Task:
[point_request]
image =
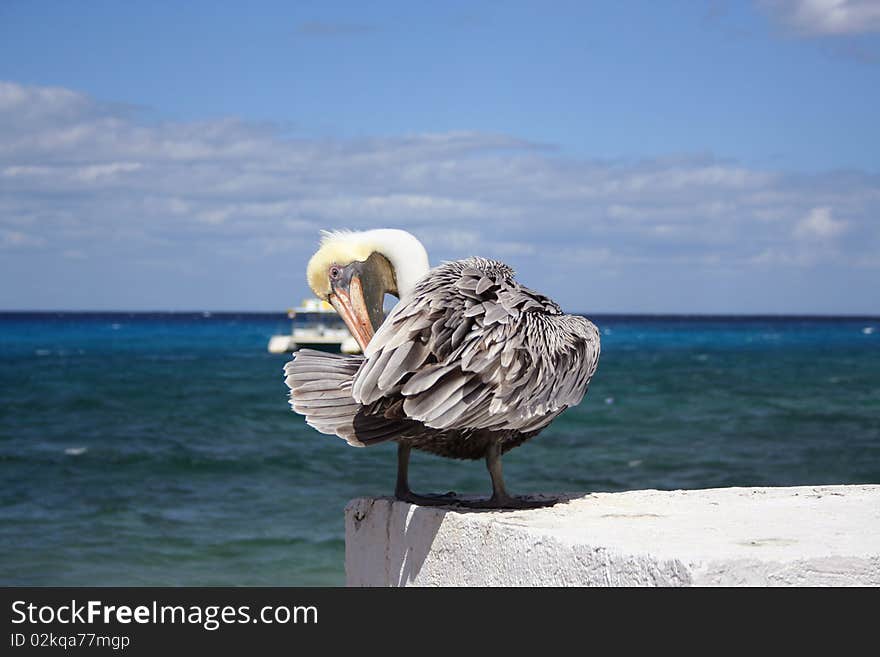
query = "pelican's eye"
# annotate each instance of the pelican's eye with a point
(335, 272)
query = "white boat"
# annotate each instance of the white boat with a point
(319, 327)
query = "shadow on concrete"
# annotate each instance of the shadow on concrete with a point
(409, 549)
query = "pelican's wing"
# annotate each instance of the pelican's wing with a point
(473, 349)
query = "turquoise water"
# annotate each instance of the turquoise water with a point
(159, 449)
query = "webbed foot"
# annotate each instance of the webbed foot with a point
(428, 499)
(509, 502)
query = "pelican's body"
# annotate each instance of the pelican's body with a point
(469, 364)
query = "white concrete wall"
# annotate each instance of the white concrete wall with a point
(817, 535)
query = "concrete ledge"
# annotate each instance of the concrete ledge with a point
(822, 535)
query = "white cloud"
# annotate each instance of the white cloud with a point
(82, 177)
(827, 17)
(16, 239)
(25, 170)
(87, 174)
(819, 224)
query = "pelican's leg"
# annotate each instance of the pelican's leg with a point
(402, 491)
(501, 499)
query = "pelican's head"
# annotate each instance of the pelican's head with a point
(354, 270)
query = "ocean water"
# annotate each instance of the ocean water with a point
(159, 449)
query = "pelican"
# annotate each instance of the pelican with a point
(468, 364)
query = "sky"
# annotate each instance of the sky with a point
(676, 157)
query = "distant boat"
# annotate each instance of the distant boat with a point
(868, 330)
(319, 328)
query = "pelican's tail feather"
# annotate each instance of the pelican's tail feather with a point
(320, 388)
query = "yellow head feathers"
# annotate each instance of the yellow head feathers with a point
(337, 248)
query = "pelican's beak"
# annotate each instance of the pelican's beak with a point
(358, 294)
(349, 303)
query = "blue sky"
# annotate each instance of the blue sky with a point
(623, 157)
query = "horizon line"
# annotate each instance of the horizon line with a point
(806, 315)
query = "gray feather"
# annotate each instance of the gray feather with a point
(527, 361)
